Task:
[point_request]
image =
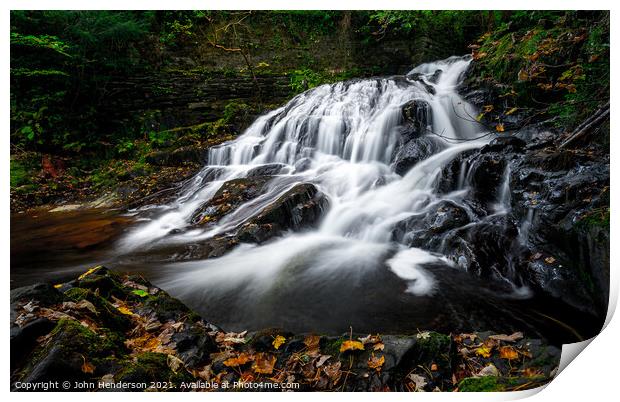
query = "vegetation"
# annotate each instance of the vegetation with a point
(548, 64)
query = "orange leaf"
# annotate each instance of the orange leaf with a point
(351, 345)
(263, 363)
(499, 128)
(376, 362)
(240, 360)
(88, 368)
(508, 352)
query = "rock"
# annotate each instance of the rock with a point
(504, 143)
(299, 207)
(416, 117)
(266, 170)
(426, 230)
(414, 151)
(178, 156)
(230, 196)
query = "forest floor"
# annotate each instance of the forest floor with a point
(107, 330)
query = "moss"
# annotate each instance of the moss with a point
(499, 384)
(149, 366)
(332, 346)
(108, 315)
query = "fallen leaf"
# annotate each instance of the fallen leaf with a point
(87, 367)
(379, 346)
(124, 310)
(263, 363)
(140, 292)
(434, 367)
(240, 360)
(351, 345)
(376, 362)
(508, 338)
(489, 370)
(511, 111)
(90, 271)
(499, 128)
(278, 341)
(487, 108)
(484, 351)
(418, 381)
(549, 260)
(370, 339)
(508, 352)
(322, 360)
(312, 341)
(174, 363)
(333, 371)
(85, 304)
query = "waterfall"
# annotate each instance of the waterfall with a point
(341, 138)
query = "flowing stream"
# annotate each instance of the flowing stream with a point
(347, 270)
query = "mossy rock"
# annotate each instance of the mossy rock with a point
(70, 346)
(148, 367)
(107, 314)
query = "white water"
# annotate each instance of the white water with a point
(341, 138)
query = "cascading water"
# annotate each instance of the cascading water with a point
(342, 138)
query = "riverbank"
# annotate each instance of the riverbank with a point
(107, 330)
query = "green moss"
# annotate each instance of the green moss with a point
(332, 346)
(20, 174)
(499, 384)
(147, 367)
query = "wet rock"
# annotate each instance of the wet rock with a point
(416, 117)
(299, 207)
(504, 143)
(414, 151)
(427, 229)
(266, 170)
(230, 196)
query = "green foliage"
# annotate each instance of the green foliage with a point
(307, 78)
(19, 174)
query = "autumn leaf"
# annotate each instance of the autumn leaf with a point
(124, 310)
(312, 341)
(90, 271)
(351, 345)
(174, 363)
(511, 111)
(549, 260)
(523, 75)
(379, 346)
(508, 338)
(418, 381)
(376, 362)
(263, 363)
(87, 367)
(370, 339)
(240, 360)
(499, 128)
(508, 352)
(487, 108)
(278, 341)
(484, 351)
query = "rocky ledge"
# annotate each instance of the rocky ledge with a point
(110, 331)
